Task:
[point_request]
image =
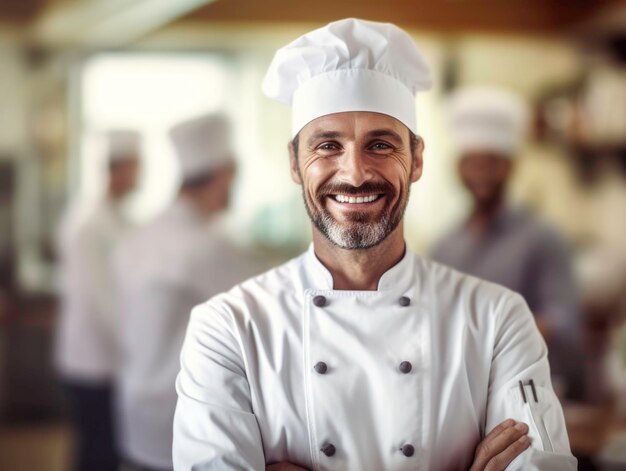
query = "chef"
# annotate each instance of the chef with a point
(505, 244)
(359, 355)
(171, 264)
(85, 344)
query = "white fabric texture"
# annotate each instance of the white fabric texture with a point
(173, 263)
(487, 119)
(85, 344)
(349, 65)
(249, 395)
(202, 144)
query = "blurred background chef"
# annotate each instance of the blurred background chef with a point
(86, 351)
(503, 243)
(176, 261)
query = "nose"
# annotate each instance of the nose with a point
(354, 168)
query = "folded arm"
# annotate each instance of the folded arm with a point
(520, 389)
(214, 425)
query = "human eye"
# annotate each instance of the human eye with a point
(327, 147)
(381, 147)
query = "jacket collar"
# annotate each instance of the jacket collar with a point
(398, 277)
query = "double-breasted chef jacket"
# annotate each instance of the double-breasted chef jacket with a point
(409, 377)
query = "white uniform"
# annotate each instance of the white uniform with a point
(85, 347)
(432, 359)
(173, 263)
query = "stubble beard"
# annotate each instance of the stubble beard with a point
(359, 231)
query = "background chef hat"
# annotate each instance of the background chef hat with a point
(202, 144)
(349, 65)
(487, 119)
(123, 144)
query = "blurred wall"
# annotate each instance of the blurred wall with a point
(12, 95)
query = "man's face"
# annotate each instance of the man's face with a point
(214, 196)
(356, 169)
(485, 175)
(123, 175)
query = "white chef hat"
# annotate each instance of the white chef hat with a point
(123, 144)
(487, 118)
(349, 65)
(202, 144)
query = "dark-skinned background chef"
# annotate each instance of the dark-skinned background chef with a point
(504, 243)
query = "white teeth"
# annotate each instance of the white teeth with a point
(352, 199)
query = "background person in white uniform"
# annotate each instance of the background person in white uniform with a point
(176, 261)
(505, 244)
(359, 355)
(85, 345)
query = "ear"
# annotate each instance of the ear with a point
(293, 164)
(417, 162)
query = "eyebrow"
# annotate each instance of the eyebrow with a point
(385, 133)
(323, 135)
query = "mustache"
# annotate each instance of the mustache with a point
(331, 188)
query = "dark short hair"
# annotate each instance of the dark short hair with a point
(118, 163)
(197, 181)
(205, 178)
(295, 143)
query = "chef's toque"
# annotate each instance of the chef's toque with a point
(202, 144)
(123, 144)
(487, 119)
(349, 65)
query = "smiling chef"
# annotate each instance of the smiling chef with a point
(360, 355)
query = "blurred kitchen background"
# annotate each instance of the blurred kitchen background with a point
(70, 70)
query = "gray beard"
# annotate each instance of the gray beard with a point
(357, 233)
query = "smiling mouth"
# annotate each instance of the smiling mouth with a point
(351, 199)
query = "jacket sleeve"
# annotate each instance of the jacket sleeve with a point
(520, 388)
(214, 425)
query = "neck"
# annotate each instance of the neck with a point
(115, 195)
(196, 206)
(359, 269)
(483, 215)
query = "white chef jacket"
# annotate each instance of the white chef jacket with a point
(162, 271)
(249, 392)
(85, 347)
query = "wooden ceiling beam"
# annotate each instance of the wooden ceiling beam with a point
(523, 16)
(111, 23)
